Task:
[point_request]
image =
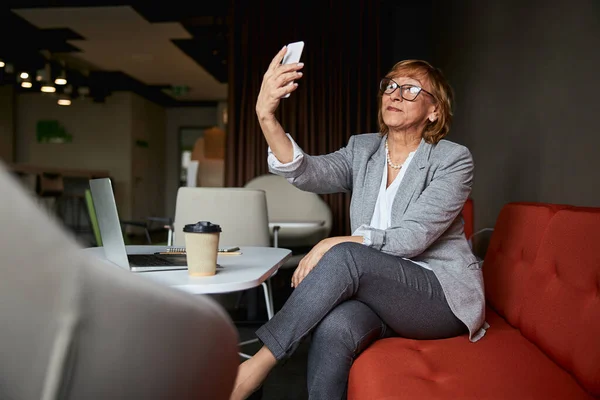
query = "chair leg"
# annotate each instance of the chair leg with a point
(268, 297)
(170, 237)
(270, 290)
(269, 302)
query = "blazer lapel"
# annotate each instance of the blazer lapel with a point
(372, 183)
(414, 178)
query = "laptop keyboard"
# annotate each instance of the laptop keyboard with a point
(152, 260)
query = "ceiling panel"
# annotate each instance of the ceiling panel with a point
(150, 45)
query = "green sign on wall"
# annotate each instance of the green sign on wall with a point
(50, 131)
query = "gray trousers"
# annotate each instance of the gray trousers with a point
(354, 296)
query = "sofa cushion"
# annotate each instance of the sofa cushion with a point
(504, 365)
(561, 310)
(512, 250)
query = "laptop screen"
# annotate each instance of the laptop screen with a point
(108, 222)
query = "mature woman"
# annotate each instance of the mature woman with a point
(407, 269)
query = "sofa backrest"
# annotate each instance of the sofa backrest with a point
(542, 273)
(561, 308)
(510, 256)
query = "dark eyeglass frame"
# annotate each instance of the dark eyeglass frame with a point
(383, 90)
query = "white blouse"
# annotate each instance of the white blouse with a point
(382, 216)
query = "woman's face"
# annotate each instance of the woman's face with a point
(400, 114)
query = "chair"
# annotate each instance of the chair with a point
(242, 214)
(74, 327)
(286, 203)
(50, 186)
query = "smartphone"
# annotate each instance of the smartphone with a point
(292, 56)
(228, 249)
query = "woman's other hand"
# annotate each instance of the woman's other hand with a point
(275, 85)
(310, 260)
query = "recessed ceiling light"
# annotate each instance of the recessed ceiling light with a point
(48, 89)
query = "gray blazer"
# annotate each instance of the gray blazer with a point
(426, 223)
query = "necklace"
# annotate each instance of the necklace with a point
(387, 157)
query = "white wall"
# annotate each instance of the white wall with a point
(104, 135)
(7, 128)
(526, 82)
(148, 163)
(177, 118)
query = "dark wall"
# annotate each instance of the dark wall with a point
(527, 85)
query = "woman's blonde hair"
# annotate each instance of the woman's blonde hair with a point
(441, 90)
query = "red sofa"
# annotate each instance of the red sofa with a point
(542, 281)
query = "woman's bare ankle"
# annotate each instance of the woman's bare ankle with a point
(252, 373)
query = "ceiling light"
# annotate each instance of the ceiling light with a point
(2, 64)
(24, 75)
(61, 77)
(26, 84)
(64, 102)
(48, 88)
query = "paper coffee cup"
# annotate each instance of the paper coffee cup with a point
(201, 247)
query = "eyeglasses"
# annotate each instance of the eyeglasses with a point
(408, 92)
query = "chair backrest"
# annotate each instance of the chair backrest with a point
(510, 256)
(288, 203)
(242, 214)
(74, 327)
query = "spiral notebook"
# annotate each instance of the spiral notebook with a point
(229, 251)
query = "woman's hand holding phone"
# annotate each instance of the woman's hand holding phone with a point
(278, 82)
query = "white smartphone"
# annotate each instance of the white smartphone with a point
(292, 56)
(228, 249)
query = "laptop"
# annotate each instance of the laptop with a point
(112, 235)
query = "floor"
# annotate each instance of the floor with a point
(288, 379)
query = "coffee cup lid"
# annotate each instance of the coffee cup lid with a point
(202, 227)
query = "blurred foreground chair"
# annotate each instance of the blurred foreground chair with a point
(74, 327)
(298, 219)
